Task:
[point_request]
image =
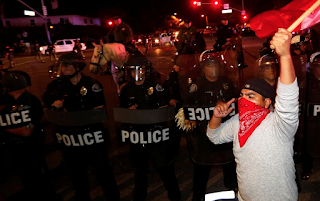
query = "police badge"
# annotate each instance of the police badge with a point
(150, 91)
(83, 91)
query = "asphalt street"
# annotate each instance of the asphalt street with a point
(163, 61)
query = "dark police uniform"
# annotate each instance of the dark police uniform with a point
(223, 33)
(206, 94)
(185, 34)
(83, 146)
(27, 152)
(148, 96)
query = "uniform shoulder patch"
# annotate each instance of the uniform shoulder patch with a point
(96, 87)
(159, 87)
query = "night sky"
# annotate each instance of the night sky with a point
(145, 15)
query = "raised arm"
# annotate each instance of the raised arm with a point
(281, 42)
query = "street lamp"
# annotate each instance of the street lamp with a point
(206, 20)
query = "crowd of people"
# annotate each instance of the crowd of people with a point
(252, 136)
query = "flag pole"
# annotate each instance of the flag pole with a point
(303, 16)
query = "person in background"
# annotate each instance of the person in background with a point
(185, 34)
(78, 48)
(224, 34)
(121, 33)
(37, 51)
(10, 55)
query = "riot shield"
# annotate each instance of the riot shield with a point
(307, 136)
(204, 80)
(144, 137)
(81, 134)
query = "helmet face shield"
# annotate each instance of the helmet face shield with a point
(315, 63)
(267, 68)
(138, 73)
(211, 64)
(211, 70)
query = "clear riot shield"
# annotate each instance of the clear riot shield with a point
(145, 138)
(204, 80)
(309, 125)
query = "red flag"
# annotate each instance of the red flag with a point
(267, 23)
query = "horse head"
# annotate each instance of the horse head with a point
(103, 53)
(98, 59)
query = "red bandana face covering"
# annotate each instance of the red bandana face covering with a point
(250, 117)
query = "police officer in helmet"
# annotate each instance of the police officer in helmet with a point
(210, 88)
(22, 135)
(75, 92)
(143, 92)
(269, 69)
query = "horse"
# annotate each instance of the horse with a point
(109, 52)
(103, 53)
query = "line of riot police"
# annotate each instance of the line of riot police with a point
(147, 132)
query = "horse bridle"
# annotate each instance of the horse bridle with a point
(100, 57)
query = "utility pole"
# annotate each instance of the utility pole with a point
(44, 16)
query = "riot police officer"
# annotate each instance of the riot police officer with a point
(185, 34)
(209, 88)
(310, 141)
(269, 69)
(22, 134)
(141, 93)
(84, 144)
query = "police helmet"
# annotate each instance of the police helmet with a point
(74, 59)
(139, 67)
(210, 56)
(12, 81)
(268, 60)
(71, 58)
(315, 59)
(214, 60)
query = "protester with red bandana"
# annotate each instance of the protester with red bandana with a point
(263, 140)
